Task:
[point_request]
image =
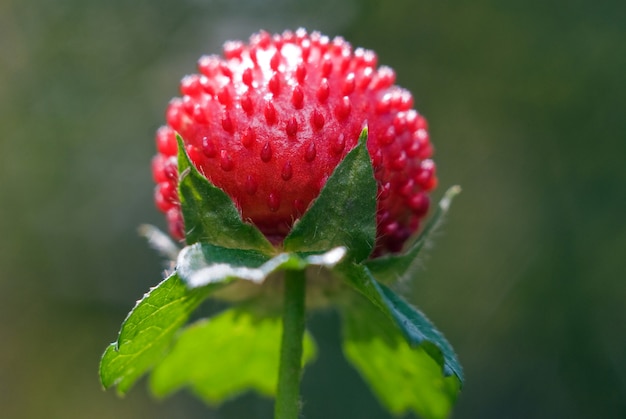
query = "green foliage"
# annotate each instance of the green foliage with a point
(239, 351)
(404, 377)
(344, 214)
(416, 328)
(406, 360)
(148, 331)
(209, 213)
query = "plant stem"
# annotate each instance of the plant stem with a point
(290, 368)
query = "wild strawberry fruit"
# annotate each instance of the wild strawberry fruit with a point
(270, 120)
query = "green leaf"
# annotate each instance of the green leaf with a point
(413, 324)
(148, 331)
(344, 214)
(404, 378)
(201, 264)
(226, 355)
(398, 267)
(419, 330)
(210, 214)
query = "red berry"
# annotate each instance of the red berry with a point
(270, 121)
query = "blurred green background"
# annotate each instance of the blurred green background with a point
(526, 101)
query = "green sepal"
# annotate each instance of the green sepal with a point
(202, 263)
(403, 377)
(148, 330)
(221, 357)
(344, 213)
(413, 324)
(210, 214)
(402, 266)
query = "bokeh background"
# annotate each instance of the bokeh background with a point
(526, 100)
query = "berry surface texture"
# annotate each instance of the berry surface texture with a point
(269, 120)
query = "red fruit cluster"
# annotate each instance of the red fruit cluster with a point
(270, 120)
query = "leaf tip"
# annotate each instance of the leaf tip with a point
(364, 134)
(450, 194)
(106, 380)
(159, 241)
(179, 140)
(457, 372)
(184, 162)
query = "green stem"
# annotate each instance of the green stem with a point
(290, 369)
